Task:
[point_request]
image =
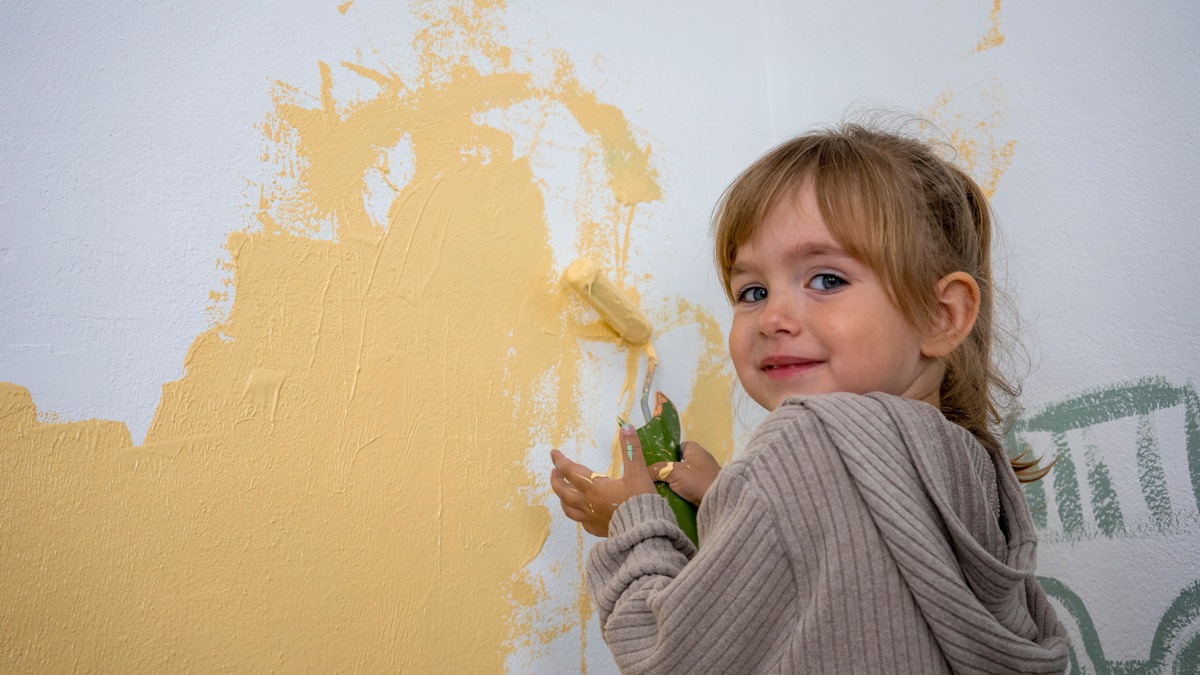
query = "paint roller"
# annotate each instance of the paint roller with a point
(618, 311)
(661, 435)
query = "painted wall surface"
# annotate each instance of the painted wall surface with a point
(284, 344)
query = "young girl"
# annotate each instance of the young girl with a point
(873, 523)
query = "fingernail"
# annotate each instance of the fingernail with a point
(628, 433)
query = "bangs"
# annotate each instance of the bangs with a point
(847, 210)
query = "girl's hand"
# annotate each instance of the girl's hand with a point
(691, 477)
(591, 498)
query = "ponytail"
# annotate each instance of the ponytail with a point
(973, 383)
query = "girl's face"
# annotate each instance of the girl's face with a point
(810, 319)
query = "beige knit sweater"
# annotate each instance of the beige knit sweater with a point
(858, 534)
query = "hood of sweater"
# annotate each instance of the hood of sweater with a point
(954, 517)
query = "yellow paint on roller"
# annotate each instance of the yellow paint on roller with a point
(304, 498)
(626, 319)
(651, 355)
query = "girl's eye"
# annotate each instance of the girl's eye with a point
(826, 282)
(752, 294)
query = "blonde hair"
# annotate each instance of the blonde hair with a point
(913, 217)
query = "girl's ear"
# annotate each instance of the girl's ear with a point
(957, 308)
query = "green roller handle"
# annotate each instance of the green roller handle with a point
(660, 438)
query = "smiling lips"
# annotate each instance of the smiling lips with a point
(786, 366)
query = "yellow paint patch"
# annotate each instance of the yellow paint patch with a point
(708, 418)
(993, 38)
(262, 389)
(973, 123)
(338, 481)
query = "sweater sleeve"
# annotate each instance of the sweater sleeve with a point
(722, 611)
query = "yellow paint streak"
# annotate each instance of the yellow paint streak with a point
(632, 179)
(584, 603)
(708, 418)
(993, 38)
(345, 7)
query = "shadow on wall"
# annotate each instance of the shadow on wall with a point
(1149, 496)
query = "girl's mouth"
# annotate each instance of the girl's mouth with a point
(782, 367)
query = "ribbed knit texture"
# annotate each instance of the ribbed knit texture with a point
(858, 534)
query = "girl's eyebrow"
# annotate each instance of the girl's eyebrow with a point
(738, 268)
(810, 249)
(814, 249)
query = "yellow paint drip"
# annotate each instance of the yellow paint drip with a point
(337, 482)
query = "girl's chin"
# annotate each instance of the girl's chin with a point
(773, 399)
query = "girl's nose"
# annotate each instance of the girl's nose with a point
(780, 315)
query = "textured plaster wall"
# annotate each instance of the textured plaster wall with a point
(285, 343)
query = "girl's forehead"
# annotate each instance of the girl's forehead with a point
(804, 212)
(792, 233)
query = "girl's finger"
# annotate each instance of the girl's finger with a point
(660, 471)
(567, 493)
(688, 448)
(577, 475)
(573, 513)
(631, 451)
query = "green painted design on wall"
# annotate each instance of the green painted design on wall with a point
(1151, 476)
(1076, 610)
(1105, 405)
(1140, 399)
(1176, 647)
(1191, 424)
(1150, 402)
(1066, 488)
(1035, 494)
(1178, 634)
(1104, 497)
